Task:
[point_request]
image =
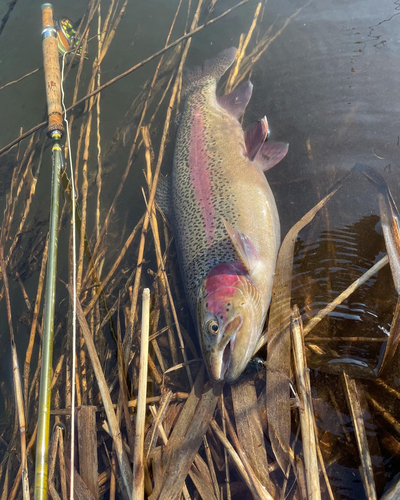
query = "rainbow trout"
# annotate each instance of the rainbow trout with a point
(224, 217)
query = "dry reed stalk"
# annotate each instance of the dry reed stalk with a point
(160, 265)
(165, 283)
(186, 438)
(227, 475)
(236, 460)
(392, 342)
(84, 193)
(19, 398)
(133, 147)
(254, 56)
(354, 403)
(23, 290)
(241, 51)
(211, 468)
(53, 450)
(278, 357)
(344, 295)
(83, 37)
(62, 467)
(262, 490)
(126, 473)
(306, 411)
(165, 441)
(29, 196)
(249, 429)
(110, 274)
(128, 72)
(384, 413)
(123, 391)
(110, 36)
(14, 198)
(200, 475)
(156, 425)
(32, 335)
(22, 78)
(18, 475)
(138, 459)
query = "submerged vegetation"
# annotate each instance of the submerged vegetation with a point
(300, 416)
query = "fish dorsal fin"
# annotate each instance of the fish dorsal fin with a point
(254, 137)
(243, 246)
(211, 71)
(235, 102)
(163, 196)
(271, 153)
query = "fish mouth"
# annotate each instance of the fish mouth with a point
(220, 362)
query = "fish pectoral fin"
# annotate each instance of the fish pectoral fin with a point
(164, 196)
(243, 246)
(254, 137)
(235, 102)
(271, 153)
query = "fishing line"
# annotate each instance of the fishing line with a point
(74, 296)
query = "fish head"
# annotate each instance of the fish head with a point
(229, 320)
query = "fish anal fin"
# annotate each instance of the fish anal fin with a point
(235, 102)
(271, 153)
(243, 246)
(163, 196)
(254, 137)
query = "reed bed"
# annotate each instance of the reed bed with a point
(149, 422)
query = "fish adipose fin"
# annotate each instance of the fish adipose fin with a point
(211, 71)
(163, 196)
(271, 153)
(235, 102)
(243, 246)
(255, 136)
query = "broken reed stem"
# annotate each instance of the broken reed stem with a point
(356, 412)
(138, 459)
(344, 295)
(306, 409)
(128, 72)
(19, 399)
(123, 461)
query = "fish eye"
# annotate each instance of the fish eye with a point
(212, 327)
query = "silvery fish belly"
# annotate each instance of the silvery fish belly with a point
(224, 217)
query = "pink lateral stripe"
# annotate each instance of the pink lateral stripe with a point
(199, 174)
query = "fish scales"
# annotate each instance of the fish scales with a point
(224, 216)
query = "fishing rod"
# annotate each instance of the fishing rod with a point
(55, 131)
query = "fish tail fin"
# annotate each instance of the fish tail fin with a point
(211, 71)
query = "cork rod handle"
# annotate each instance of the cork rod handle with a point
(51, 72)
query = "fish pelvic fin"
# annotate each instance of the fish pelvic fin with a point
(254, 137)
(211, 71)
(244, 247)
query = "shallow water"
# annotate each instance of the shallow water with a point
(328, 85)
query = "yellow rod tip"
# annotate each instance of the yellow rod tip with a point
(47, 6)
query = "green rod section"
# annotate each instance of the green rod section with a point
(42, 442)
